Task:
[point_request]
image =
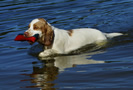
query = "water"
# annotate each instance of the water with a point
(109, 67)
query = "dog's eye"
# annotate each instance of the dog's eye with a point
(35, 27)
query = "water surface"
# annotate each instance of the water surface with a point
(109, 67)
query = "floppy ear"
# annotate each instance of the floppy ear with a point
(48, 35)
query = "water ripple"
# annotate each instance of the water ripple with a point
(108, 67)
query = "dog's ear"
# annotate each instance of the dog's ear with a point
(48, 37)
(47, 31)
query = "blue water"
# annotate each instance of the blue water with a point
(103, 69)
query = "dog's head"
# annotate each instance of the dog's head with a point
(41, 27)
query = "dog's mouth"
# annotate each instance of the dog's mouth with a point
(31, 40)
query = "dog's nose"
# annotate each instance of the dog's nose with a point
(26, 34)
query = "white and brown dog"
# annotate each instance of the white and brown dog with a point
(59, 41)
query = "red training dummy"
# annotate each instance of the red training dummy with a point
(31, 40)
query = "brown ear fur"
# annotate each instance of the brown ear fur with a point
(48, 33)
(48, 38)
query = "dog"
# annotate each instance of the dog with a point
(59, 41)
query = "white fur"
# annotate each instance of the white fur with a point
(65, 43)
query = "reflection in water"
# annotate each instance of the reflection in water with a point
(44, 75)
(48, 71)
(64, 62)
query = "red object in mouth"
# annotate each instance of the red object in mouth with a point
(31, 40)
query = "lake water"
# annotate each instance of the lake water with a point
(107, 68)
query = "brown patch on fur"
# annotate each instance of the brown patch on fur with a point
(70, 32)
(36, 26)
(40, 25)
(43, 20)
(47, 32)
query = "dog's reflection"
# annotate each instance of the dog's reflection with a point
(43, 75)
(64, 62)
